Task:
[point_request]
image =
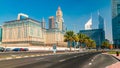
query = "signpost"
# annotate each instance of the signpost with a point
(54, 48)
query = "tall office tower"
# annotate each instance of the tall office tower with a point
(101, 21)
(88, 25)
(43, 23)
(59, 19)
(116, 22)
(51, 22)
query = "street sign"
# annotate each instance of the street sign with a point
(54, 48)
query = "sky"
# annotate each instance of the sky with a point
(75, 12)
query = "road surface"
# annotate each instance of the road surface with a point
(72, 60)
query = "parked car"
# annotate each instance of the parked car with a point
(16, 49)
(26, 49)
(20, 49)
(2, 49)
(8, 49)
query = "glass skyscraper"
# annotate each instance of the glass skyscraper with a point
(96, 34)
(116, 22)
(101, 21)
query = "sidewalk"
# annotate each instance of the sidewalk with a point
(115, 65)
(118, 57)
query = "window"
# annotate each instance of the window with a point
(38, 32)
(118, 8)
(18, 32)
(25, 31)
(10, 33)
(31, 31)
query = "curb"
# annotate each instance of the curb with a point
(115, 57)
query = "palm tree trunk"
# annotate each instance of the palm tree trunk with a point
(70, 45)
(80, 46)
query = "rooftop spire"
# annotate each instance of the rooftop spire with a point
(43, 20)
(59, 8)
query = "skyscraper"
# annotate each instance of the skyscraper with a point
(116, 22)
(51, 22)
(59, 19)
(101, 21)
(88, 24)
(43, 23)
(96, 34)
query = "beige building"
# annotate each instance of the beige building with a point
(22, 33)
(59, 19)
(28, 32)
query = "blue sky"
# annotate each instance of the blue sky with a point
(75, 12)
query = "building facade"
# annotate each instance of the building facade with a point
(59, 19)
(0, 35)
(51, 22)
(96, 34)
(116, 22)
(25, 32)
(101, 22)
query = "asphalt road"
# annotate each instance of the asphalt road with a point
(76, 60)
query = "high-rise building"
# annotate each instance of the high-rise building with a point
(88, 25)
(59, 19)
(51, 22)
(96, 34)
(116, 22)
(43, 23)
(101, 21)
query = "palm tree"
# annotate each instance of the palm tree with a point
(69, 36)
(82, 38)
(90, 43)
(76, 39)
(105, 44)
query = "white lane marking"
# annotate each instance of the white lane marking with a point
(19, 57)
(39, 58)
(37, 55)
(26, 56)
(62, 60)
(90, 64)
(9, 58)
(32, 55)
(13, 55)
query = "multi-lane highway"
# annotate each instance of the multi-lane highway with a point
(69, 60)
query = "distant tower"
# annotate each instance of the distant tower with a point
(43, 23)
(101, 21)
(51, 22)
(88, 25)
(59, 19)
(22, 16)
